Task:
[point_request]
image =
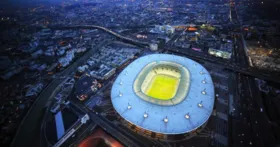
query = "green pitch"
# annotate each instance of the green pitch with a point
(162, 87)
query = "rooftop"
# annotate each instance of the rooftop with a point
(187, 115)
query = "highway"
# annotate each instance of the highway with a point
(130, 40)
(117, 132)
(250, 125)
(29, 123)
(250, 71)
(25, 132)
(125, 136)
(241, 53)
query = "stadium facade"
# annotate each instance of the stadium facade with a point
(165, 97)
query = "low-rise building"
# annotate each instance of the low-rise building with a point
(165, 29)
(34, 90)
(8, 68)
(103, 72)
(65, 61)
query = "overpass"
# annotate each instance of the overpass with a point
(250, 71)
(30, 124)
(124, 38)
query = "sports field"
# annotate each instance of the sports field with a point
(162, 87)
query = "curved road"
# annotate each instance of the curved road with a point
(25, 133)
(137, 42)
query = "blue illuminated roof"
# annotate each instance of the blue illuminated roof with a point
(60, 130)
(180, 118)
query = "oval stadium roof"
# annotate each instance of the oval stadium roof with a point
(180, 118)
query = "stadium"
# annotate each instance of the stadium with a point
(164, 97)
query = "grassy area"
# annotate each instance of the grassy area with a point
(162, 87)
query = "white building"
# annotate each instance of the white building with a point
(165, 29)
(34, 90)
(82, 68)
(60, 52)
(49, 52)
(80, 49)
(64, 61)
(153, 46)
(169, 29)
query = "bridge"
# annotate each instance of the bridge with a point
(249, 71)
(124, 38)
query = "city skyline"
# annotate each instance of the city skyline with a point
(141, 73)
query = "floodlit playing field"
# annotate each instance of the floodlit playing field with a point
(162, 87)
(167, 95)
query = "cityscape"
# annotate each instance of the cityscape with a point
(140, 73)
